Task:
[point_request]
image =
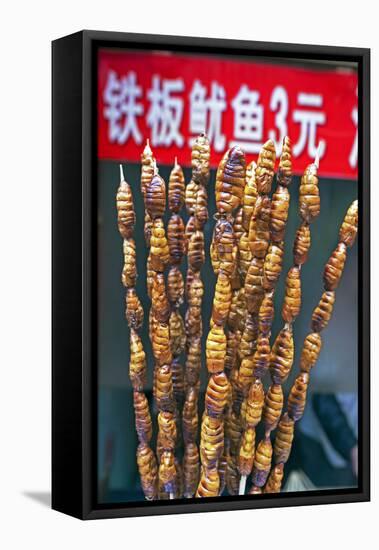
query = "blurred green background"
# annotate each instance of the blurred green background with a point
(336, 369)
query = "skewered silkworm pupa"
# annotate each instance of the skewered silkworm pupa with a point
(275, 478)
(309, 195)
(297, 396)
(176, 189)
(310, 352)
(125, 209)
(282, 356)
(284, 176)
(212, 441)
(302, 244)
(283, 439)
(159, 251)
(230, 181)
(129, 271)
(144, 427)
(216, 349)
(272, 266)
(134, 310)
(155, 197)
(262, 462)
(176, 239)
(148, 470)
(264, 172)
(273, 407)
(216, 395)
(137, 365)
(200, 157)
(334, 267)
(250, 195)
(209, 484)
(349, 227)
(222, 299)
(292, 298)
(323, 311)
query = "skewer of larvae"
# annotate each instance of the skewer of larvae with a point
(235, 326)
(283, 348)
(146, 460)
(147, 172)
(282, 353)
(155, 201)
(230, 181)
(197, 208)
(175, 284)
(253, 354)
(272, 267)
(311, 347)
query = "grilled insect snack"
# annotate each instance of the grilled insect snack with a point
(283, 439)
(144, 427)
(155, 197)
(273, 407)
(148, 470)
(334, 267)
(216, 349)
(250, 195)
(310, 352)
(292, 299)
(159, 250)
(323, 311)
(264, 172)
(129, 271)
(209, 485)
(275, 479)
(137, 364)
(302, 244)
(230, 181)
(125, 209)
(133, 310)
(176, 239)
(262, 462)
(282, 356)
(349, 227)
(297, 396)
(176, 189)
(309, 195)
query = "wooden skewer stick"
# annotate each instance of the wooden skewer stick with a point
(122, 177)
(242, 486)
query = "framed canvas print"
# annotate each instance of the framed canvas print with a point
(210, 274)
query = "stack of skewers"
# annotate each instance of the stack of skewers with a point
(246, 253)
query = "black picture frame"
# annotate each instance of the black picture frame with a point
(74, 272)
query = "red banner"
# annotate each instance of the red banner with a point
(170, 98)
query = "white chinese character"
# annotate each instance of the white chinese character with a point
(248, 120)
(309, 120)
(121, 107)
(206, 114)
(279, 104)
(165, 113)
(353, 157)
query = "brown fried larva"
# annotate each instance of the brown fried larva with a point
(176, 188)
(309, 194)
(349, 227)
(126, 217)
(230, 180)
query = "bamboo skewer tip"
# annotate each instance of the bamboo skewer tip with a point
(317, 157)
(122, 173)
